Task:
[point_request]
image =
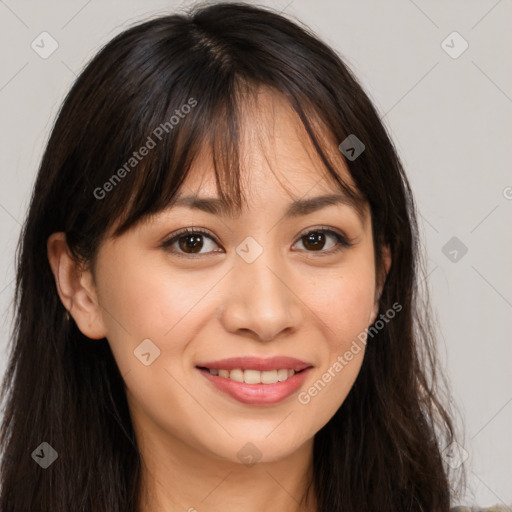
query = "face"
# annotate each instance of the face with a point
(263, 284)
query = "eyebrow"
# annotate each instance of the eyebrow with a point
(297, 208)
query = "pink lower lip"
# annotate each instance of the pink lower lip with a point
(257, 394)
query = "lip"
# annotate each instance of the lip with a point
(256, 363)
(257, 394)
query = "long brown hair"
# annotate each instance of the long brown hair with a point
(382, 449)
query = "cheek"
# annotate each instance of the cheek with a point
(350, 309)
(344, 301)
(147, 301)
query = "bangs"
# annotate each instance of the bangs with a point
(211, 121)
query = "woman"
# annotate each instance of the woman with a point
(217, 288)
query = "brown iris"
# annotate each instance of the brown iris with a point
(314, 240)
(191, 242)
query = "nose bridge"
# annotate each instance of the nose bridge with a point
(260, 300)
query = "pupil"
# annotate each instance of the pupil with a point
(315, 237)
(196, 242)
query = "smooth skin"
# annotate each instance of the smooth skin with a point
(295, 299)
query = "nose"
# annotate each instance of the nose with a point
(260, 300)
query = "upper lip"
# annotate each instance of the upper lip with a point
(256, 363)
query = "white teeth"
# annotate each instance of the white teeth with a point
(237, 375)
(269, 377)
(255, 376)
(282, 374)
(251, 376)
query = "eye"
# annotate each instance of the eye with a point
(315, 240)
(189, 241)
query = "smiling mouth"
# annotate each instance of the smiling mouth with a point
(252, 376)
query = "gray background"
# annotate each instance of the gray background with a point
(450, 119)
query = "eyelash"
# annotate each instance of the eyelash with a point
(343, 242)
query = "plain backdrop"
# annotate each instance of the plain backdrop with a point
(448, 109)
